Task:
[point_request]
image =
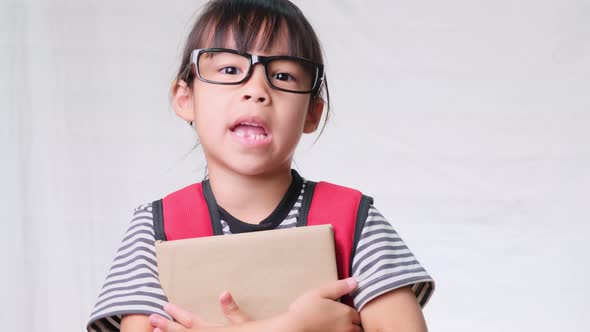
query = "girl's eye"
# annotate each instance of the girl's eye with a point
(284, 77)
(230, 70)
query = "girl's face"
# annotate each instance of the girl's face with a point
(250, 129)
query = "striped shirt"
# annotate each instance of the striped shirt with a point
(381, 263)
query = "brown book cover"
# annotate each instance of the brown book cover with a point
(264, 271)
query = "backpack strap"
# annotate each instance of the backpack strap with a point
(188, 214)
(346, 210)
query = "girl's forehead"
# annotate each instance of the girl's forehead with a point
(263, 44)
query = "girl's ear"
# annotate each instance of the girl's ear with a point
(182, 100)
(314, 115)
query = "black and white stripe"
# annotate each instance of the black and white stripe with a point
(382, 263)
(132, 285)
(291, 219)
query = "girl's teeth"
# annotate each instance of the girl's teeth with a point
(251, 136)
(256, 137)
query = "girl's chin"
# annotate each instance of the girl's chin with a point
(254, 166)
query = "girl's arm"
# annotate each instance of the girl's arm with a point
(396, 311)
(136, 323)
(141, 323)
(315, 311)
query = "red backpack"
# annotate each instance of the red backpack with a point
(192, 212)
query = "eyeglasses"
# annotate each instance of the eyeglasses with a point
(230, 67)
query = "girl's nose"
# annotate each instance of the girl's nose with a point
(256, 87)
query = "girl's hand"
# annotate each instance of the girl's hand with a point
(319, 309)
(185, 320)
(231, 310)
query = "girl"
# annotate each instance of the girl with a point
(251, 82)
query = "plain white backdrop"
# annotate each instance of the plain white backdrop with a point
(468, 121)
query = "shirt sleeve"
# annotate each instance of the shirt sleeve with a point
(132, 285)
(382, 262)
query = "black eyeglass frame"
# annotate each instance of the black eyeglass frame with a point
(264, 60)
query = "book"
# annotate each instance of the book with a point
(265, 271)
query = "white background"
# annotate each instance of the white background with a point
(468, 121)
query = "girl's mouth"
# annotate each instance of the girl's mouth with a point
(250, 133)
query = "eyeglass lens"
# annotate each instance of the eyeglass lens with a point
(226, 68)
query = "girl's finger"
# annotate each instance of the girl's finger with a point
(356, 317)
(185, 318)
(336, 289)
(231, 310)
(165, 325)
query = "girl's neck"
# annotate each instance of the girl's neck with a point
(249, 198)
